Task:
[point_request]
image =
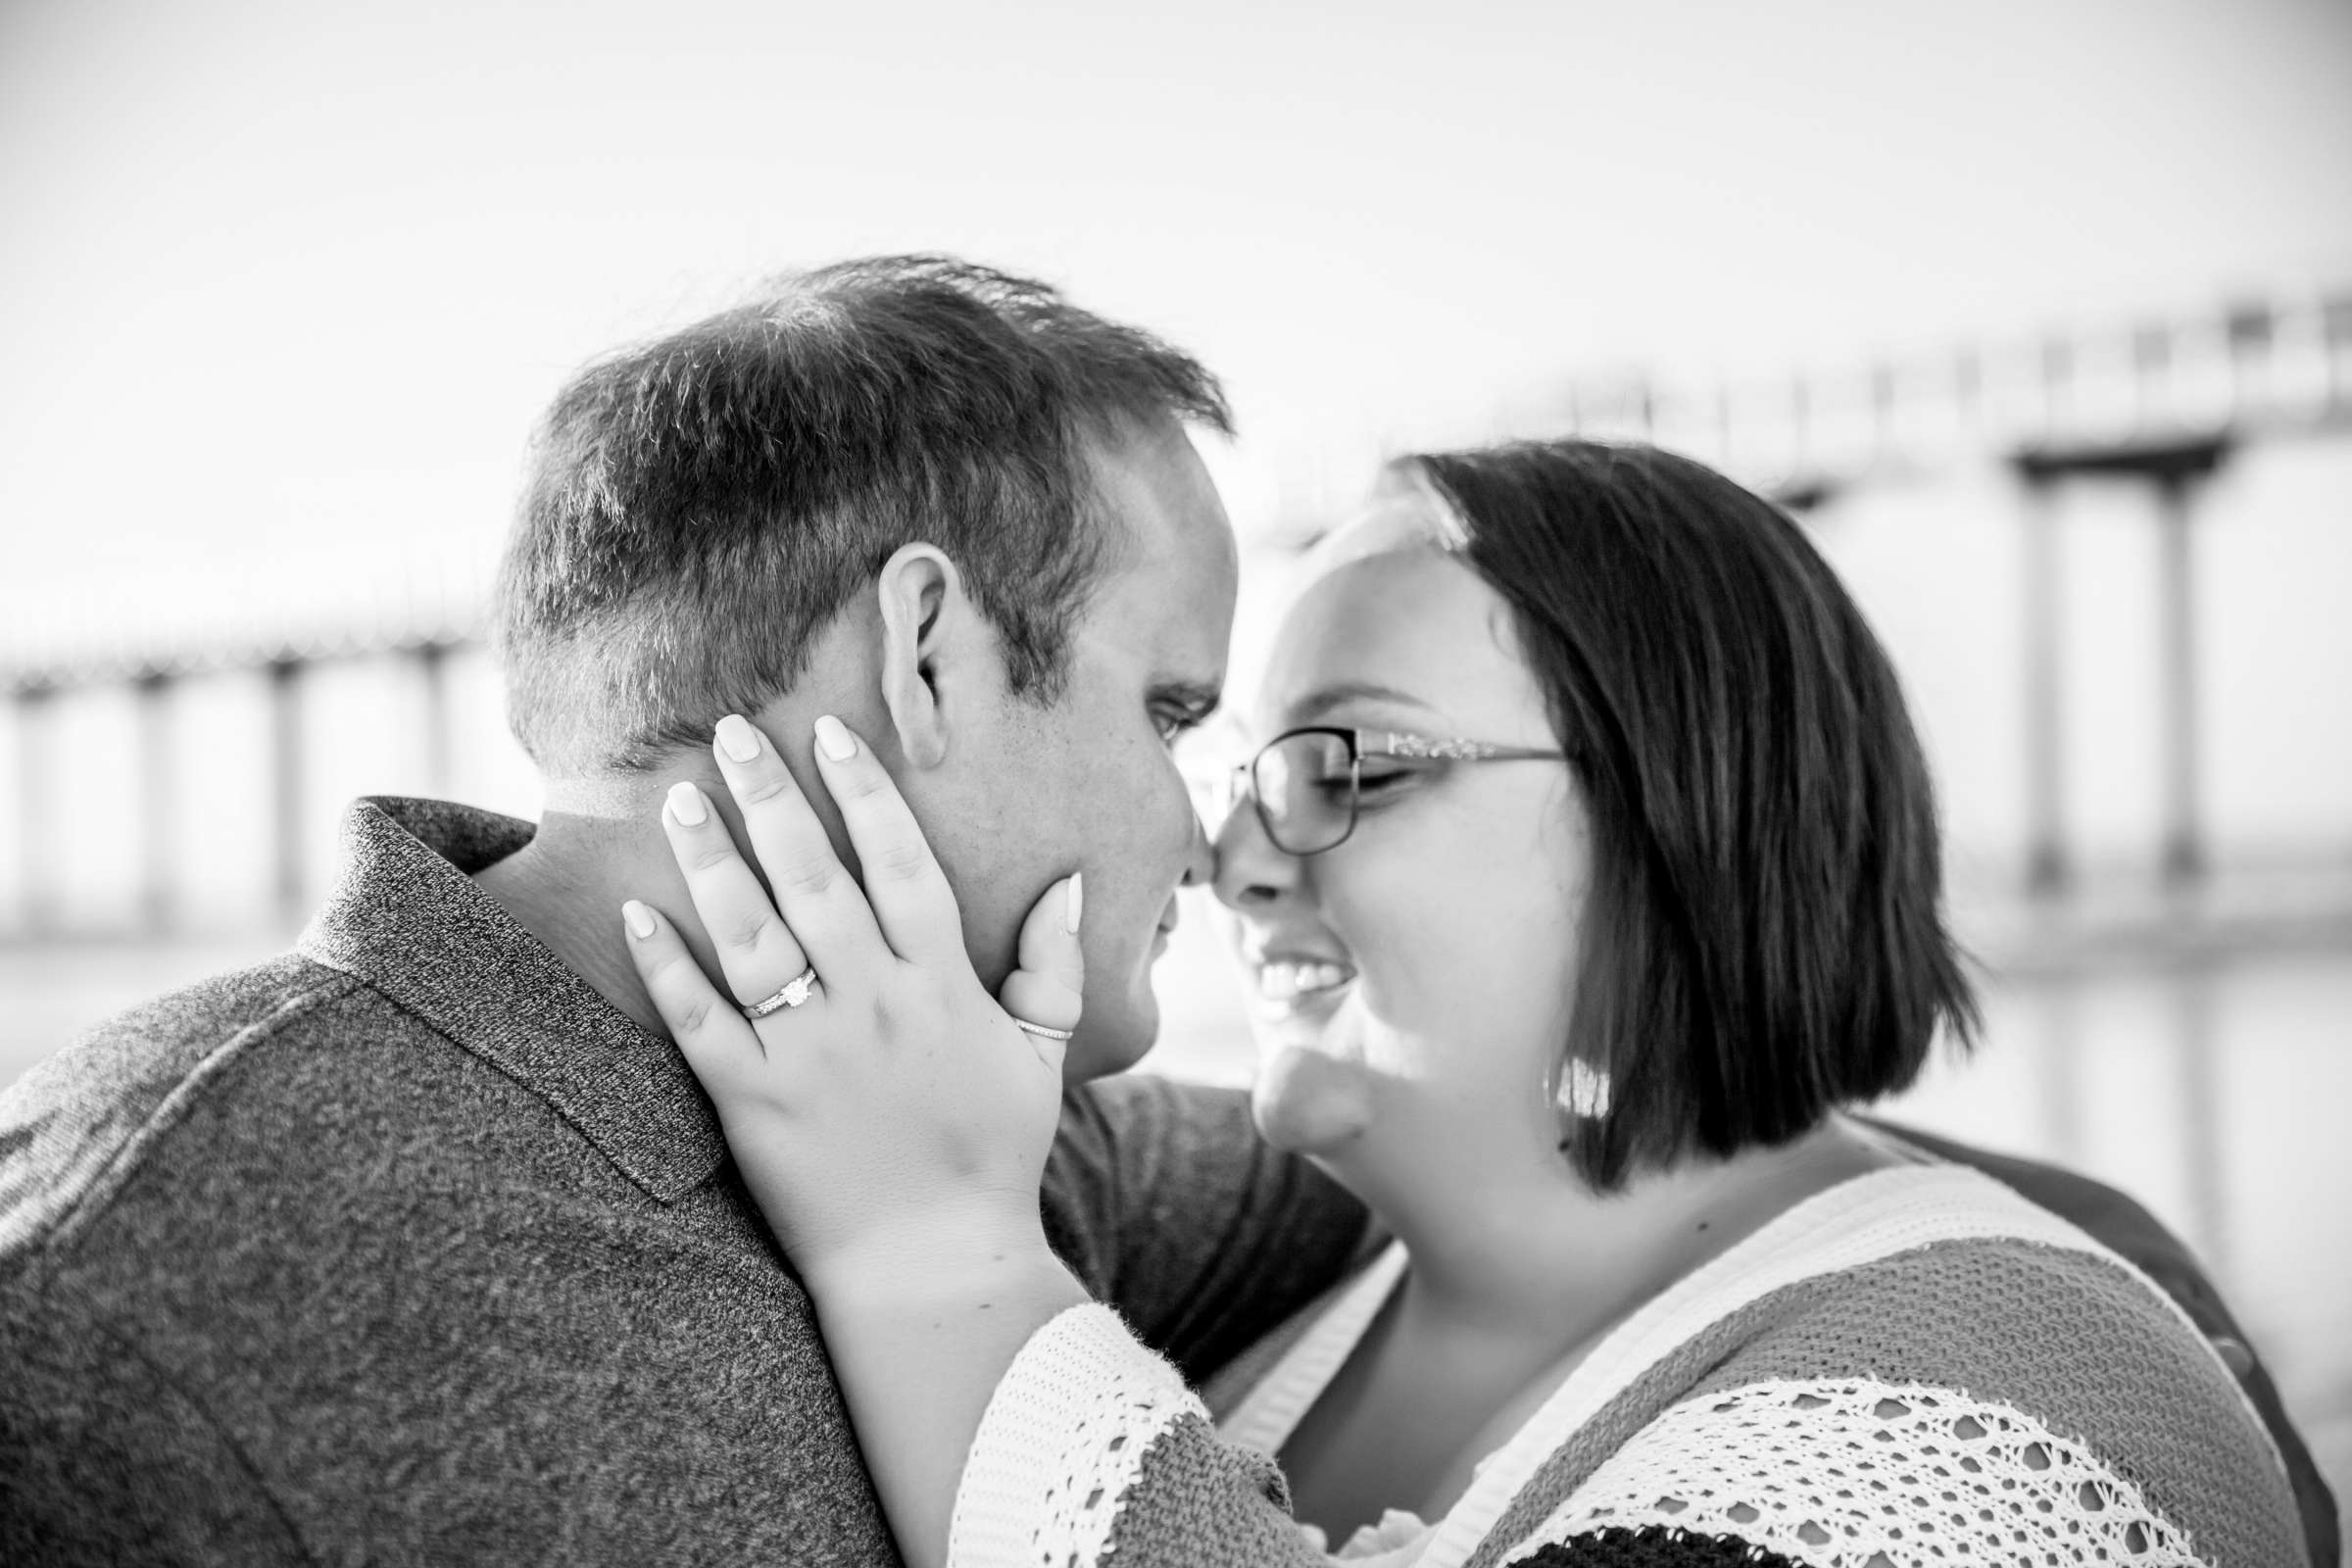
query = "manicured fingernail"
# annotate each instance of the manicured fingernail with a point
(1074, 903)
(738, 739)
(687, 804)
(833, 738)
(639, 918)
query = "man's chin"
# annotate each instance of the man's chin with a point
(1106, 1047)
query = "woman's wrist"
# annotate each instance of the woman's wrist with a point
(975, 1259)
(922, 1318)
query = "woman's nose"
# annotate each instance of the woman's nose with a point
(1250, 870)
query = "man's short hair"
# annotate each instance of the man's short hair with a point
(1763, 937)
(699, 507)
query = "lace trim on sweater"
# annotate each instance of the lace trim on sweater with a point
(1850, 1472)
(1062, 1443)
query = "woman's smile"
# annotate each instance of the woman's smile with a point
(1299, 985)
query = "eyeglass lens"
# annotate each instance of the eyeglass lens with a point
(1305, 787)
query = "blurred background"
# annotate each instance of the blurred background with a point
(2039, 311)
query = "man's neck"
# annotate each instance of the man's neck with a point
(566, 887)
(600, 843)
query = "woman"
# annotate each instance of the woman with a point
(1587, 873)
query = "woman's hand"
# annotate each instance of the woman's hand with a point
(898, 1119)
(892, 1121)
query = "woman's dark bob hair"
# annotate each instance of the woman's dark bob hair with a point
(1763, 938)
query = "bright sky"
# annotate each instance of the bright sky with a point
(282, 285)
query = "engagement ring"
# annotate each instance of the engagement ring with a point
(791, 996)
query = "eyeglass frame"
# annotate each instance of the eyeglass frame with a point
(1364, 743)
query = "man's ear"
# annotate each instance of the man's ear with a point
(924, 615)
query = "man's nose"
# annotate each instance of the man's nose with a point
(1199, 855)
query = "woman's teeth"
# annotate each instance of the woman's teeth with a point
(1285, 982)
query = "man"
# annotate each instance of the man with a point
(419, 1243)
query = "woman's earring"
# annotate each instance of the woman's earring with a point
(1583, 1090)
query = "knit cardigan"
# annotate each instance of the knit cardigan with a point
(1915, 1367)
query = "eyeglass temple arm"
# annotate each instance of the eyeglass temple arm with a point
(1428, 749)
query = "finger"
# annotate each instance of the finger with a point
(903, 883)
(818, 899)
(1049, 986)
(758, 952)
(714, 1036)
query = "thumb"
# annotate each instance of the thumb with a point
(1049, 988)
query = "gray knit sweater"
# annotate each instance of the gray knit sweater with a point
(406, 1248)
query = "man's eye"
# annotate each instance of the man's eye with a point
(1173, 724)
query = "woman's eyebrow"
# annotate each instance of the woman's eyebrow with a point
(1323, 699)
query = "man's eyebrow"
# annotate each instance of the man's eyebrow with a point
(1321, 701)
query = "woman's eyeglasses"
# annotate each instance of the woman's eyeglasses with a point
(1307, 785)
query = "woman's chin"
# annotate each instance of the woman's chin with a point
(1307, 1101)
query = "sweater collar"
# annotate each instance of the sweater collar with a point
(407, 917)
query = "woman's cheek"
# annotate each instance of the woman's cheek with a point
(1418, 959)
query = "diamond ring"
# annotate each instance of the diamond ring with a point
(793, 994)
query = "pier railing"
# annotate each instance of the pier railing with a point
(2165, 405)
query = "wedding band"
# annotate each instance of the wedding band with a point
(792, 995)
(1044, 1033)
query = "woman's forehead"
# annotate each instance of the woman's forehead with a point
(1415, 618)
